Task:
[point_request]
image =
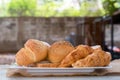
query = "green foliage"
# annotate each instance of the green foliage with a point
(69, 12)
(111, 6)
(22, 8)
(49, 8)
(87, 9)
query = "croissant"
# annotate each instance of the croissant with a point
(33, 51)
(97, 59)
(80, 52)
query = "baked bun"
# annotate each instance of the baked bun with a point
(24, 57)
(38, 49)
(59, 50)
(33, 51)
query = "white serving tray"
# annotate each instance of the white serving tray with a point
(53, 71)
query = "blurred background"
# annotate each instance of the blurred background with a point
(91, 22)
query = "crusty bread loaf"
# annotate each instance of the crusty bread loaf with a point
(24, 57)
(80, 52)
(59, 50)
(38, 48)
(34, 49)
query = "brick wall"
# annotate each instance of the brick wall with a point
(15, 31)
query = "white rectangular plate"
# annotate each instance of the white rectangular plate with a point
(53, 71)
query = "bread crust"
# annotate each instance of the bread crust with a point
(37, 48)
(48, 65)
(59, 50)
(33, 51)
(97, 59)
(22, 57)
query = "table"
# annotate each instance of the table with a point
(108, 77)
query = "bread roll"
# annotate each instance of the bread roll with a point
(24, 57)
(59, 50)
(38, 48)
(33, 51)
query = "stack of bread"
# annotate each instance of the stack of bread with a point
(61, 54)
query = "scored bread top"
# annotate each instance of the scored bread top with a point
(37, 48)
(33, 51)
(23, 57)
(59, 50)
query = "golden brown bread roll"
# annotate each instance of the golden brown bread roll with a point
(23, 57)
(97, 59)
(39, 49)
(59, 50)
(34, 49)
(80, 52)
